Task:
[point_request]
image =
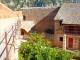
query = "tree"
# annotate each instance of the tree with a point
(39, 48)
(30, 3)
(53, 2)
(38, 3)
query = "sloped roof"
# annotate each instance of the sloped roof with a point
(69, 13)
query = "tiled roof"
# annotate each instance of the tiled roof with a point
(69, 13)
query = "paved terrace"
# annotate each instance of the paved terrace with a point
(5, 26)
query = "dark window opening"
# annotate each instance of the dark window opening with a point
(71, 28)
(22, 33)
(24, 18)
(60, 38)
(49, 31)
(60, 23)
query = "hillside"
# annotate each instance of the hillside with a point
(17, 4)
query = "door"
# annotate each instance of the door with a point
(70, 42)
(79, 44)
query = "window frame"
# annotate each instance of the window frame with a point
(61, 39)
(24, 18)
(60, 23)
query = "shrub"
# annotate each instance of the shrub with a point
(39, 48)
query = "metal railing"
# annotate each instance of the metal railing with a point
(7, 41)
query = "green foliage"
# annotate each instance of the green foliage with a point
(64, 55)
(30, 3)
(17, 4)
(39, 48)
(75, 54)
(5, 1)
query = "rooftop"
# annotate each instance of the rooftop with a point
(69, 13)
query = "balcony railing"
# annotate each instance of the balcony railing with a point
(72, 30)
(7, 40)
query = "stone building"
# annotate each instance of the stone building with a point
(39, 19)
(67, 26)
(60, 25)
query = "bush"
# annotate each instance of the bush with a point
(39, 48)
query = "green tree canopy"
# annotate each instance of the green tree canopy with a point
(39, 48)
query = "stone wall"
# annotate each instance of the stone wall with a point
(58, 32)
(44, 25)
(18, 13)
(5, 12)
(42, 16)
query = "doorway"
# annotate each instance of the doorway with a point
(79, 44)
(70, 42)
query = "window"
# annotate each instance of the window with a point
(24, 17)
(71, 28)
(22, 33)
(49, 31)
(60, 23)
(60, 38)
